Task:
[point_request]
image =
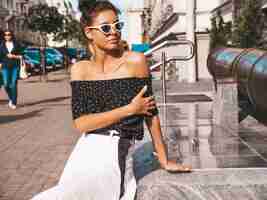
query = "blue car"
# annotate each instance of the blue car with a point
(54, 56)
(74, 53)
(32, 58)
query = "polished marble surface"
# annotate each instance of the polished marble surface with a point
(227, 164)
(226, 184)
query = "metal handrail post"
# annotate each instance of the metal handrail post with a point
(163, 75)
(174, 58)
(164, 91)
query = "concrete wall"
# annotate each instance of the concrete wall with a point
(202, 55)
(179, 6)
(202, 15)
(135, 29)
(207, 5)
(178, 27)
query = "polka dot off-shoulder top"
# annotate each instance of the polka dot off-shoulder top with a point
(95, 96)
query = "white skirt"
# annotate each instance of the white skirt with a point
(93, 172)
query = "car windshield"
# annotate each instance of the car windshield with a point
(31, 53)
(53, 51)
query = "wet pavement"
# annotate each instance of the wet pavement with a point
(36, 139)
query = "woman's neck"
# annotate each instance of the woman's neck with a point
(107, 61)
(102, 56)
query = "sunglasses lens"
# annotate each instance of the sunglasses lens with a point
(119, 26)
(105, 28)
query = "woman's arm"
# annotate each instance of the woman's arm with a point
(2, 55)
(153, 124)
(94, 121)
(14, 56)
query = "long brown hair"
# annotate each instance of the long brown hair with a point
(89, 9)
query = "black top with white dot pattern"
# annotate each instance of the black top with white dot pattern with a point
(95, 96)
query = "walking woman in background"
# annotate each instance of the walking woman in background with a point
(111, 96)
(10, 55)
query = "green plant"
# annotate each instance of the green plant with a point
(220, 32)
(248, 26)
(71, 26)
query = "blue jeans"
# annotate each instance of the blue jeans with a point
(10, 80)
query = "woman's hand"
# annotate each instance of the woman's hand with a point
(174, 167)
(13, 56)
(142, 105)
(10, 55)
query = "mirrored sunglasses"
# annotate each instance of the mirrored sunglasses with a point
(107, 28)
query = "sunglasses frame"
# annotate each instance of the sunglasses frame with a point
(113, 26)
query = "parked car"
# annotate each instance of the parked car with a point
(83, 54)
(54, 56)
(74, 53)
(32, 58)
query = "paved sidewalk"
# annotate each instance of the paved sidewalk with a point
(35, 139)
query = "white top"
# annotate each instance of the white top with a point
(9, 46)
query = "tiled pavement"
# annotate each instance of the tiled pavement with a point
(36, 139)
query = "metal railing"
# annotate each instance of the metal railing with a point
(164, 61)
(171, 43)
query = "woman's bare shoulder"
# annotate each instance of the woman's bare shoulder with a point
(138, 64)
(80, 70)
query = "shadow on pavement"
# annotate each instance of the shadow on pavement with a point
(45, 101)
(3, 101)
(57, 80)
(52, 81)
(11, 118)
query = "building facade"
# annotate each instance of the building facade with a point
(13, 15)
(134, 22)
(191, 20)
(185, 19)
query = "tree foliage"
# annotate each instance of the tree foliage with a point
(71, 26)
(248, 27)
(220, 32)
(44, 19)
